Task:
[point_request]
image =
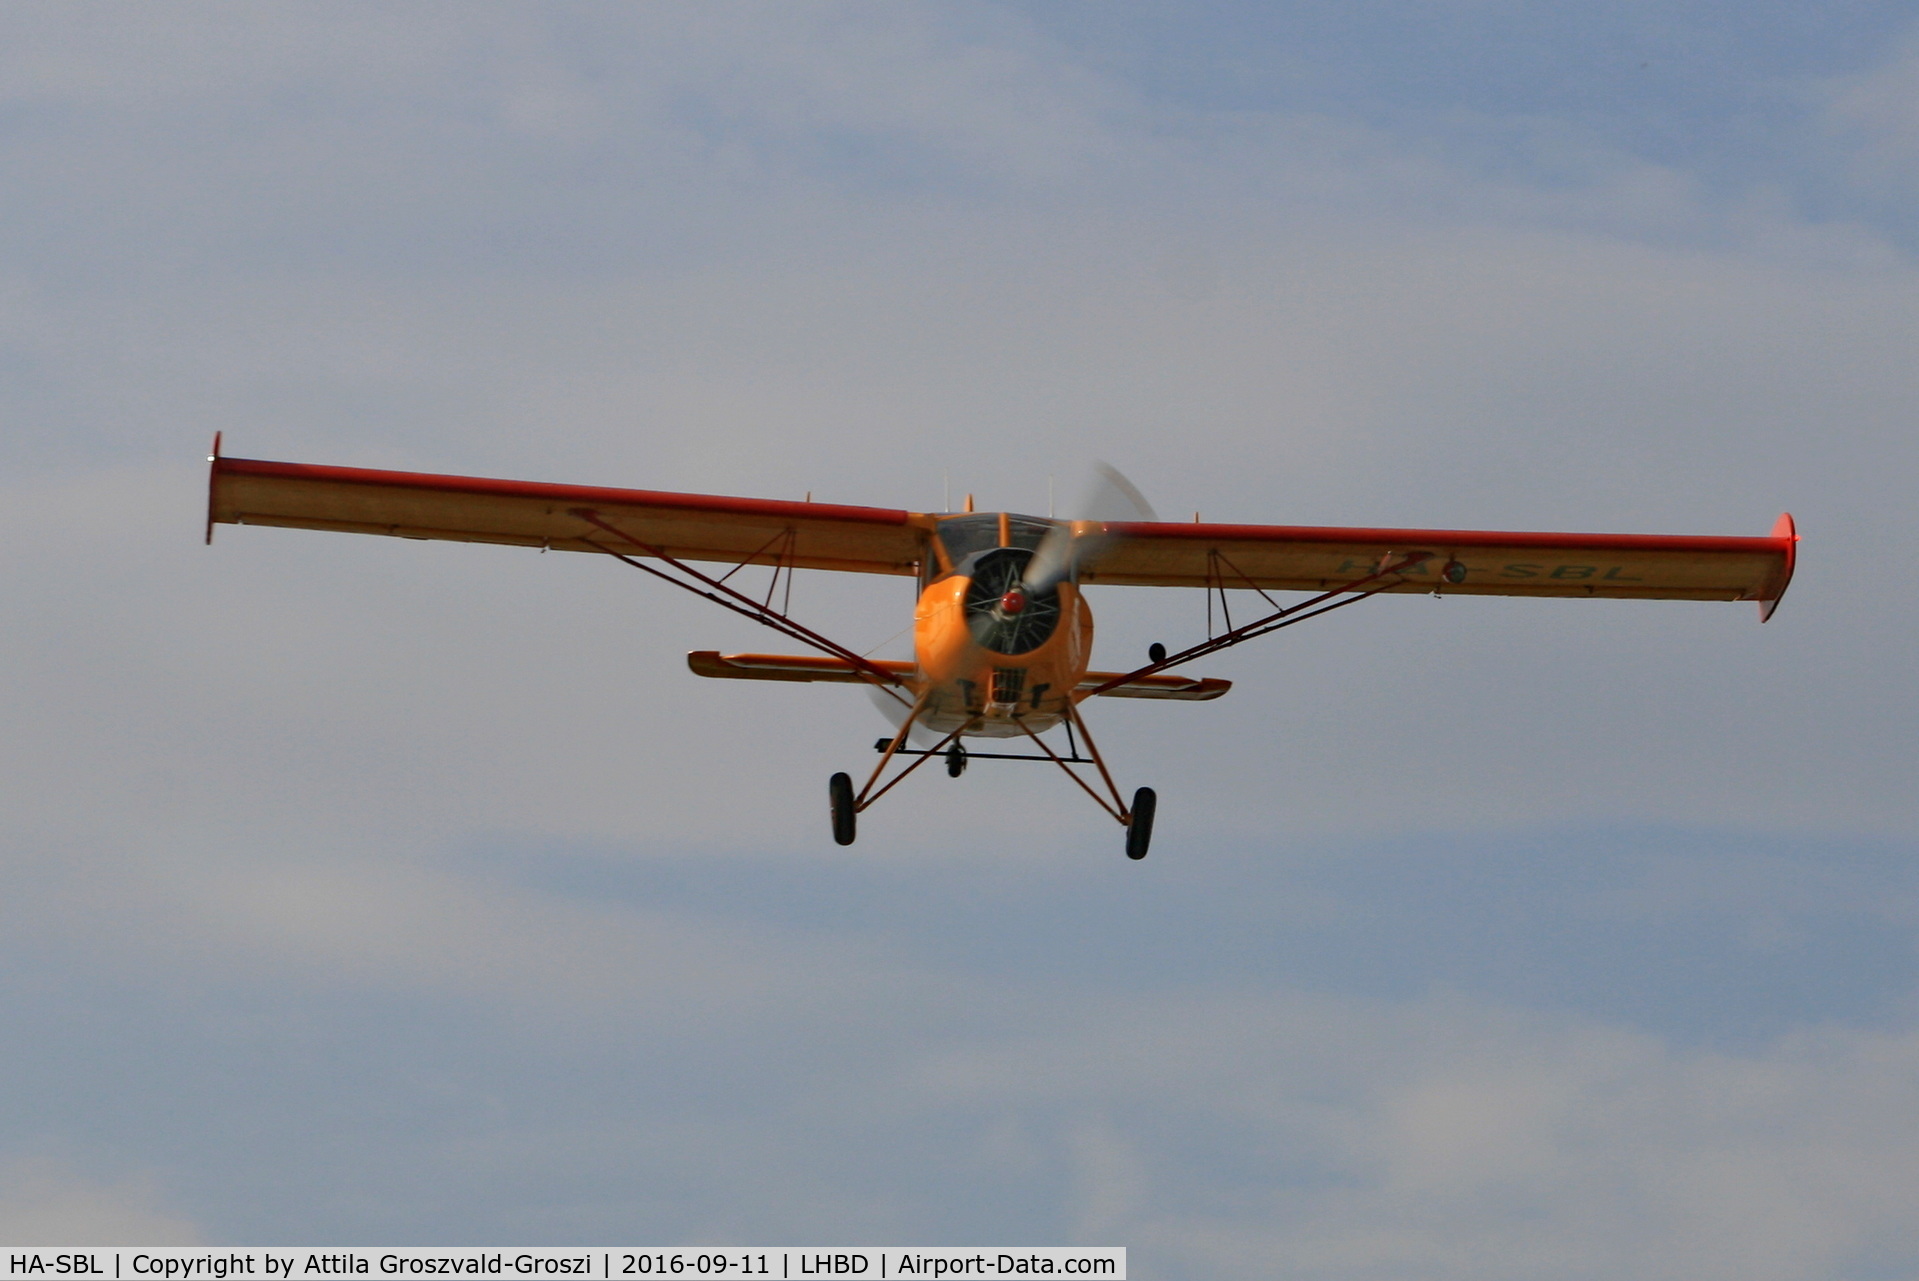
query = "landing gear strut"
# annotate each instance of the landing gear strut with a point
(1137, 818)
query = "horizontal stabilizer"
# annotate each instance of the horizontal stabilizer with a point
(810, 667)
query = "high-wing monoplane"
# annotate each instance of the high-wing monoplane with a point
(1002, 634)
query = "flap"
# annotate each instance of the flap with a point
(787, 667)
(1191, 689)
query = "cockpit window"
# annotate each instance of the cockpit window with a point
(1027, 531)
(962, 536)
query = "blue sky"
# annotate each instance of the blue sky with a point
(370, 892)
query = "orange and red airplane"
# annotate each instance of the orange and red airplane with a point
(1002, 636)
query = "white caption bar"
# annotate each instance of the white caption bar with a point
(601, 1263)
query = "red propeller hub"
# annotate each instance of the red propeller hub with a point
(1013, 602)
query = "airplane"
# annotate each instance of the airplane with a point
(1002, 633)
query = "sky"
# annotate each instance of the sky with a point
(369, 891)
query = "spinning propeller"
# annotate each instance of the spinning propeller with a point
(1006, 611)
(1077, 543)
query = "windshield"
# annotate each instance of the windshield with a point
(962, 536)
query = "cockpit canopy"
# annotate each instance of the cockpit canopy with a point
(964, 536)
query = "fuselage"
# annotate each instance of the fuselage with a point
(993, 649)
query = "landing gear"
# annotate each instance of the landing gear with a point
(1156, 653)
(845, 812)
(1139, 829)
(1137, 820)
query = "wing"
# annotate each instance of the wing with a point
(575, 518)
(1466, 562)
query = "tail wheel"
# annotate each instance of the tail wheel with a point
(1139, 832)
(845, 813)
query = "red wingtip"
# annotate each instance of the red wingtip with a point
(213, 474)
(1786, 531)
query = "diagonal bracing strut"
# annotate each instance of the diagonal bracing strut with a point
(1324, 603)
(759, 611)
(1118, 808)
(867, 795)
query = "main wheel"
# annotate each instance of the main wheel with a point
(1139, 833)
(955, 761)
(845, 813)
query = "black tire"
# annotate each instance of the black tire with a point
(1139, 833)
(845, 814)
(955, 761)
(1156, 653)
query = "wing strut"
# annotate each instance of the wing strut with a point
(759, 611)
(1313, 607)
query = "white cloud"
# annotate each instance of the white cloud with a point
(1447, 1138)
(1882, 107)
(1215, 1132)
(857, 1081)
(479, 140)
